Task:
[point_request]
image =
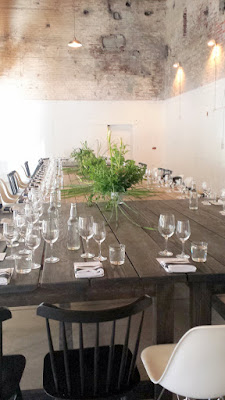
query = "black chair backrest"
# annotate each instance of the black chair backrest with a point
(13, 182)
(27, 168)
(168, 172)
(4, 315)
(141, 164)
(123, 379)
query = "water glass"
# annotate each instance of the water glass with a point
(23, 263)
(11, 234)
(199, 251)
(32, 241)
(117, 254)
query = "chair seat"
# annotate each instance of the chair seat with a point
(73, 356)
(12, 371)
(155, 360)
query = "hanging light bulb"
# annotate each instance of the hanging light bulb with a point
(74, 43)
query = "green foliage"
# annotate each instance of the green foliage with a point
(119, 176)
(86, 159)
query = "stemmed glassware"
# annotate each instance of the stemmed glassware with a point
(86, 232)
(10, 232)
(183, 232)
(99, 236)
(33, 240)
(50, 233)
(20, 221)
(166, 228)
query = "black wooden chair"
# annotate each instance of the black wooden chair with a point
(13, 183)
(11, 367)
(92, 372)
(27, 169)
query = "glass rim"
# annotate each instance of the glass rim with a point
(117, 246)
(199, 244)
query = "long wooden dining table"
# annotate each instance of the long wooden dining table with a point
(140, 274)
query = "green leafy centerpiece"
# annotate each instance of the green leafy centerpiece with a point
(107, 179)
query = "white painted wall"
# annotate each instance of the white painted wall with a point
(194, 134)
(34, 129)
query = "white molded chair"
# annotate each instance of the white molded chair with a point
(194, 367)
(21, 184)
(6, 198)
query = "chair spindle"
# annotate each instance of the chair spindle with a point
(110, 358)
(51, 348)
(81, 352)
(96, 358)
(134, 356)
(66, 359)
(124, 354)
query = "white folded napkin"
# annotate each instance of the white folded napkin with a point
(216, 203)
(88, 264)
(206, 203)
(87, 273)
(2, 256)
(5, 275)
(91, 269)
(175, 265)
(168, 260)
(175, 268)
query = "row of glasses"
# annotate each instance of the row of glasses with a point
(166, 228)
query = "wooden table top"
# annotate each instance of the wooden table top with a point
(141, 272)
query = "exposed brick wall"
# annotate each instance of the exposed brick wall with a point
(205, 19)
(123, 53)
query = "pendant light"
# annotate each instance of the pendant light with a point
(74, 43)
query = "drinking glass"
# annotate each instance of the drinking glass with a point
(199, 251)
(166, 228)
(20, 221)
(117, 254)
(86, 232)
(50, 233)
(99, 236)
(183, 232)
(23, 263)
(10, 232)
(32, 241)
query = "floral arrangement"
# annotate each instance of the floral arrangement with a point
(106, 179)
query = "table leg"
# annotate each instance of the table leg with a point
(200, 304)
(163, 306)
(69, 331)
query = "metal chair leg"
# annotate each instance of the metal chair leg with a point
(161, 393)
(18, 395)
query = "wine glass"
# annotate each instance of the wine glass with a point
(10, 232)
(183, 232)
(20, 221)
(32, 241)
(50, 233)
(86, 232)
(166, 228)
(99, 236)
